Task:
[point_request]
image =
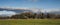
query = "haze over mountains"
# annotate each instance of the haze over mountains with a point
(13, 11)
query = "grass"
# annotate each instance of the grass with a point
(30, 22)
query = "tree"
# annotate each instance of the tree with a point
(48, 15)
(23, 16)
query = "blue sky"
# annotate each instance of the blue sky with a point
(46, 4)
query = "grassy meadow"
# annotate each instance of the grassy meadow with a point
(30, 22)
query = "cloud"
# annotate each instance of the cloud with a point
(7, 13)
(45, 10)
(52, 10)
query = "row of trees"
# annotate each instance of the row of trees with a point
(30, 15)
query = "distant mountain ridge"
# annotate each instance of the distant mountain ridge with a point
(15, 10)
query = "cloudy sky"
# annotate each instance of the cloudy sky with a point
(47, 5)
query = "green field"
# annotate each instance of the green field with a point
(30, 22)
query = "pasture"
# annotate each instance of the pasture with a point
(30, 22)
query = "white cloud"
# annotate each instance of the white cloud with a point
(44, 10)
(52, 10)
(7, 13)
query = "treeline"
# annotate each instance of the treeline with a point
(30, 15)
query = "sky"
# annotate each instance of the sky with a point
(31, 3)
(47, 5)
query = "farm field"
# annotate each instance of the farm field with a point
(30, 22)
